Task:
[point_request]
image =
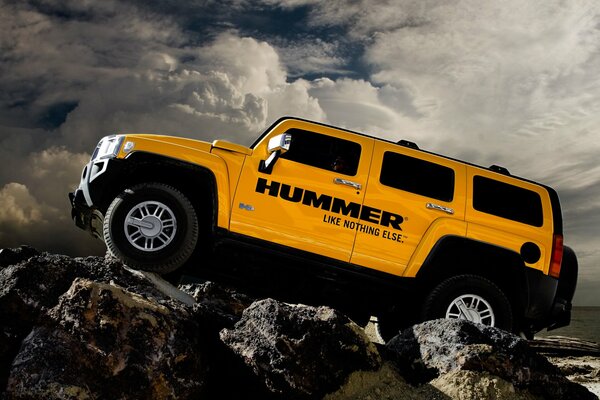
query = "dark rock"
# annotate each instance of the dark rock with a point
(427, 350)
(28, 288)
(15, 256)
(221, 304)
(92, 328)
(102, 341)
(10, 341)
(219, 307)
(34, 284)
(300, 351)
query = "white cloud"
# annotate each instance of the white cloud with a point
(17, 206)
(294, 99)
(232, 88)
(40, 195)
(124, 73)
(311, 55)
(252, 66)
(512, 83)
(52, 173)
(499, 70)
(290, 3)
(25, 219)
(385, 111)
(363, 18)
(36, 210)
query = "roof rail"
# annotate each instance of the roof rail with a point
(499, 169)
(408, 143)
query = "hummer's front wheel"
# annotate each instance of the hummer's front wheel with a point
(152, 227)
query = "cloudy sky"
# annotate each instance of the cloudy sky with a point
(514, 83)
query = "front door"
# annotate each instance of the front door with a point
(312, 195)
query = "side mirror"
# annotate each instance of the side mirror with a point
(277, 146)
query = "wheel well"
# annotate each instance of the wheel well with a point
(454, 255)
(197, 183)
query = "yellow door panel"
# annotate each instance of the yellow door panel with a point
(391, 247)
(298, 205)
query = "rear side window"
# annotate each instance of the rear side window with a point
(417, 176)
(322, 151)
(507, 201)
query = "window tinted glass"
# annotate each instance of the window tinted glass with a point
(507, 201)
(323, 151)
(417, 176)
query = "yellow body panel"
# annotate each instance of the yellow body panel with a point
(292, 223)
(191, 151)
(440, 228)
(507, 233)
(277, 207)
(390, 250)
(511, 241)
(235, 162)
(238, 148)
(156, 141)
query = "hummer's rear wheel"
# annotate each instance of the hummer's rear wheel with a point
(152, 227)
(472, 298)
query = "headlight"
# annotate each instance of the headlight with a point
(108, 147)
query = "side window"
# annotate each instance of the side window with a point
(417, 176)
(322, 151)
(507, 201)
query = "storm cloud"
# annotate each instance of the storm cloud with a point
(508, 83)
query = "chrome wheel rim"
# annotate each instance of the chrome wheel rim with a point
(471, 307)
(150, 226)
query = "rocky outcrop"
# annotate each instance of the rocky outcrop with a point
(102, 341)
(434, 348)
(298, 350)
(221, 306)
(90, 328)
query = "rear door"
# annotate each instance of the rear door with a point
(410, 191)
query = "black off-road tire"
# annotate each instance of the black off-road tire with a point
(440, 298)
(183, 237)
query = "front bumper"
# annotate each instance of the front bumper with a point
(96, 189)
(85, 217)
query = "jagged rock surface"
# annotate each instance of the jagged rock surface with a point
(32, 282)
(220, 305)
(88, 327)
(76, 328)
(300, 351)
(437, 347)
(106, 342)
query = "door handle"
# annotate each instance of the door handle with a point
(346, 182)
(433, 206)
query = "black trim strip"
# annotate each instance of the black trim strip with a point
(316, 261)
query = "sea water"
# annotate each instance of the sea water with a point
(585, 324)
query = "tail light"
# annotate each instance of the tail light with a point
(557, 254)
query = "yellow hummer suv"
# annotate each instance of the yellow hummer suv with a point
(337, 217)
